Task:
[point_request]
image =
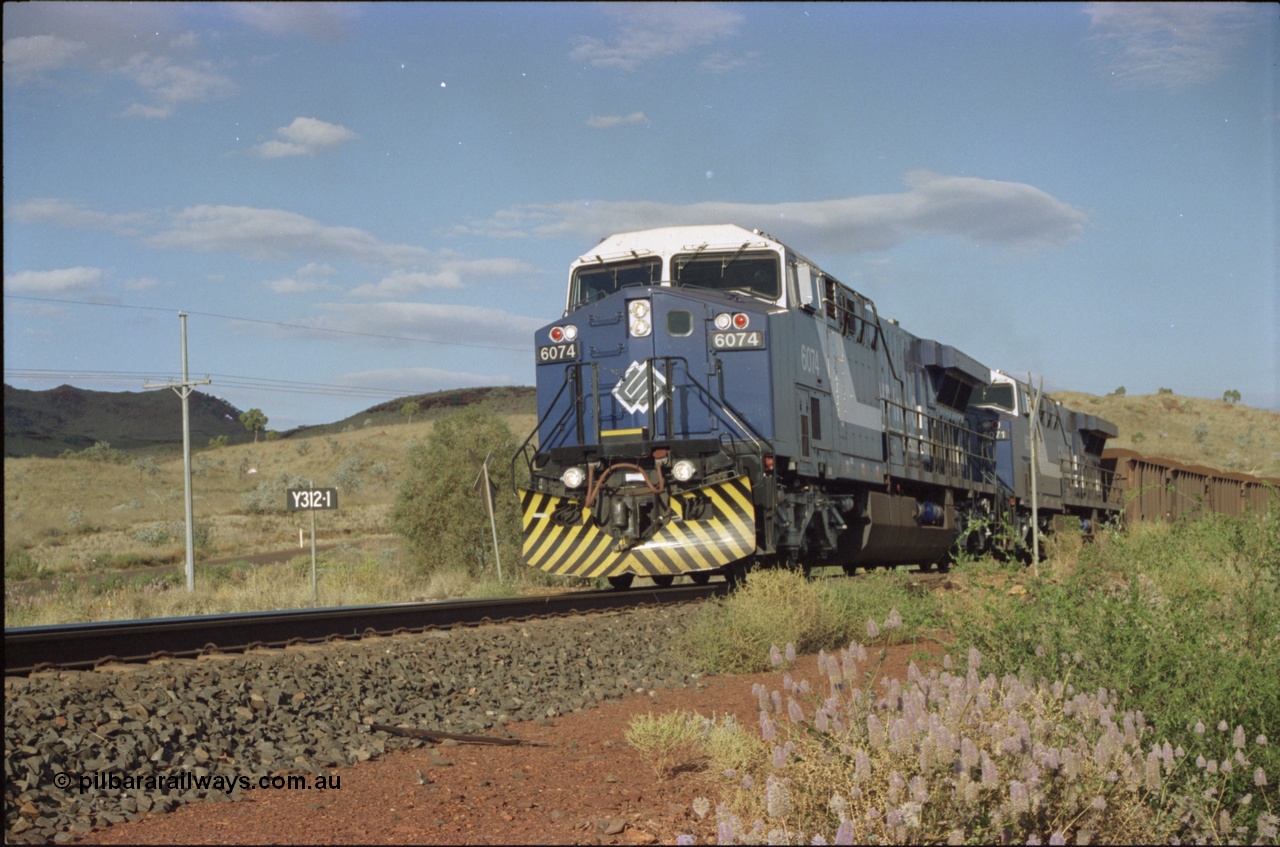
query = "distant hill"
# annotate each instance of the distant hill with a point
(46, 423)
(1212, 433)
(506, 400)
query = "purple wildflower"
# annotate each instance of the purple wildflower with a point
(861, 766)
(685, 839)
(897, 784)
(1260, 778)
(873, 631)
(1019, 803)
(777, 799)
(791, 652)
(989, 777)
(775, 655)
(875, 731)
(844, 835)
(1057, 839)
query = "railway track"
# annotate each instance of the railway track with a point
(86, 645)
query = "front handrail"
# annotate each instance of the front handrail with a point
(572, 375)
(573, 382)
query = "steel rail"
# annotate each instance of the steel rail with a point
(86, 645)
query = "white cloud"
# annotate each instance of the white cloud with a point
(405, 283)
(720, 63)
(450, 325)
(984, 211)
(50, 282)
(304, 137)
(169, 84)
(275, 234)
(142, 283)
(324, 21)
(645, 32)
(308, 278)
(452, 273)
(611, 121)
(28, 57)
(1168, 44)
(64, 213)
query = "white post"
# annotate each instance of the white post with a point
(493, 521)
(1035, 474)
(314, 593)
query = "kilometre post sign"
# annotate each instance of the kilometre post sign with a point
(302, 499)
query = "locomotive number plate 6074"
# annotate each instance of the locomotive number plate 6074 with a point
(742, 340)
(557, 352)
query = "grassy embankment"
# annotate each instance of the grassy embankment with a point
(102, 537)
(1128, 693)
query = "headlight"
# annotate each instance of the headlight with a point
(573, 477)
(639, 311)
(684, 470)
(724, 320)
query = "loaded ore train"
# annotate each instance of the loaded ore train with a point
(711, 399)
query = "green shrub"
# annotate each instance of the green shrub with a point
(19, 564)
(734, 634)
(1182, 621)
(437, 510)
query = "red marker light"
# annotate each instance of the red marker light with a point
(740, 320)
(557, 334)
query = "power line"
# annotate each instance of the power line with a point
(283, 386)
(379, 336)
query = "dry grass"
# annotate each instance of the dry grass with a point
(75, 516)
(1227, 436)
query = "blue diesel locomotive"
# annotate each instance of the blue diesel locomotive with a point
(712, 399)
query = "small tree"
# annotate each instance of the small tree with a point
(253, 420)
(1231, 396)
(437, 511)
(410, 409)
(1119, 392)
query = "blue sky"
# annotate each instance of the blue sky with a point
(359, 202)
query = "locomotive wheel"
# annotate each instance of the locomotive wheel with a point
(700, 578)
(621, 582)
(663, 580)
